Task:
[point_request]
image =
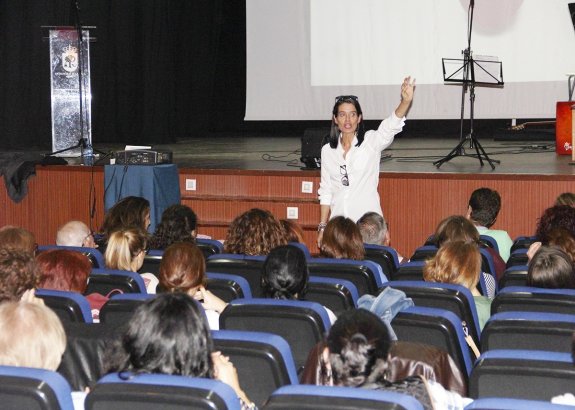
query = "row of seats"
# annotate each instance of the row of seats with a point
(500, 380)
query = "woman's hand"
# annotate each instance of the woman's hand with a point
(533, 248)
(225, 371)
(407, 90)
(30, 297)
(211, 301)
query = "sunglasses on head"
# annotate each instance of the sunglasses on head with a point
(345, 98)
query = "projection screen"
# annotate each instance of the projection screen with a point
(303, 53)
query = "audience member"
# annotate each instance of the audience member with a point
(31, 335)
(458, 228)
(128, 212)
(552, 268)
(342, 240)
(169, 334)
(183, 269)
(484, 206)
(19, 275)
(294, 232)
(557, 216)
(75, 233)
(566, 198)
(126, 250)
(14, 237)
(559, 238)
(459, 263)
(357, 353)
(374, 230)
(255, 232)
(285, 275)
(178, 224)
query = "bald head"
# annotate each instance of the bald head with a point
(75, 233)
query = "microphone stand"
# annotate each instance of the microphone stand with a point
(468, 81)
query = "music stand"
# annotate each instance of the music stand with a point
(470, 72)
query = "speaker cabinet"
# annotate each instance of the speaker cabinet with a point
(311, 142)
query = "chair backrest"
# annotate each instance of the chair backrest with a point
(309, 397)
(514, 276)
(69, 306)
(104, 281)
(248, 267)
(95, 256)
(529, 299)
(522, 374)
(152, 262)
(160, 391)
(34, 389)
(455, 298)
(302, 324)
(384, 256)
(423, 253)
(412, 270)
(120, 308)
(338, 295)
(264, 361)
(437, 327)
(501, 403)
(486, 240)
(303, 247)
(529, 331)
(227, 286)
(209, 247)
(522, 242)
(518, 257)
(366, 275)
(83, 360)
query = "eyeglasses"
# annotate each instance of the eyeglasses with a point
(341, 98)
(344, 177)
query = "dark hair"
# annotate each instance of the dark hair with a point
(562, 239)
(182, 268)
(334, 131)
(255, 232)
(62, 269)
(14, 237)
(558, 216)
(342, 239)
(455, 228)
(485, 204)
(168, 334)
(18, 273)
(551, 268)
(128, 212)
(373, 228)
(178, 222)
(359, 344)
(285, 273)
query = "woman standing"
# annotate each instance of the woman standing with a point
(350, 162)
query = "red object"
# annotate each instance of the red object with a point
(564, 128)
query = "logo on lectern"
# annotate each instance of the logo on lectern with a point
(70, 59)
(567, 147)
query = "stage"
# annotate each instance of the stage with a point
(234, 173)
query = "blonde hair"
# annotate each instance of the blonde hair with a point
(123, 246)
(456, 262)
(31, 335)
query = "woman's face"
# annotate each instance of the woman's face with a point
(147, 220)
(347, 118)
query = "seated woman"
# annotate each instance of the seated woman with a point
(285, 275)
(178, 224)
(459, 263)
(342, 240)
(357, 354)
(255, 232)
(126, 251)
(31, 335)
(294, 232)
(19, 276)
(551, 268)
(62, 269)
(14, 237)
(183, 269)
(459, 228)
(169, 334)
(128, 212)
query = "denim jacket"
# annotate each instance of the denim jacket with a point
(386, 305)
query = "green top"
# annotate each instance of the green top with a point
(483, 306)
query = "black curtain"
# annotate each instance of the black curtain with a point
(161, 70)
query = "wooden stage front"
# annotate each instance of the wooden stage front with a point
(234, 174)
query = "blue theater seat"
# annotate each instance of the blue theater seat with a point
(95, 256)
(69, 306)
